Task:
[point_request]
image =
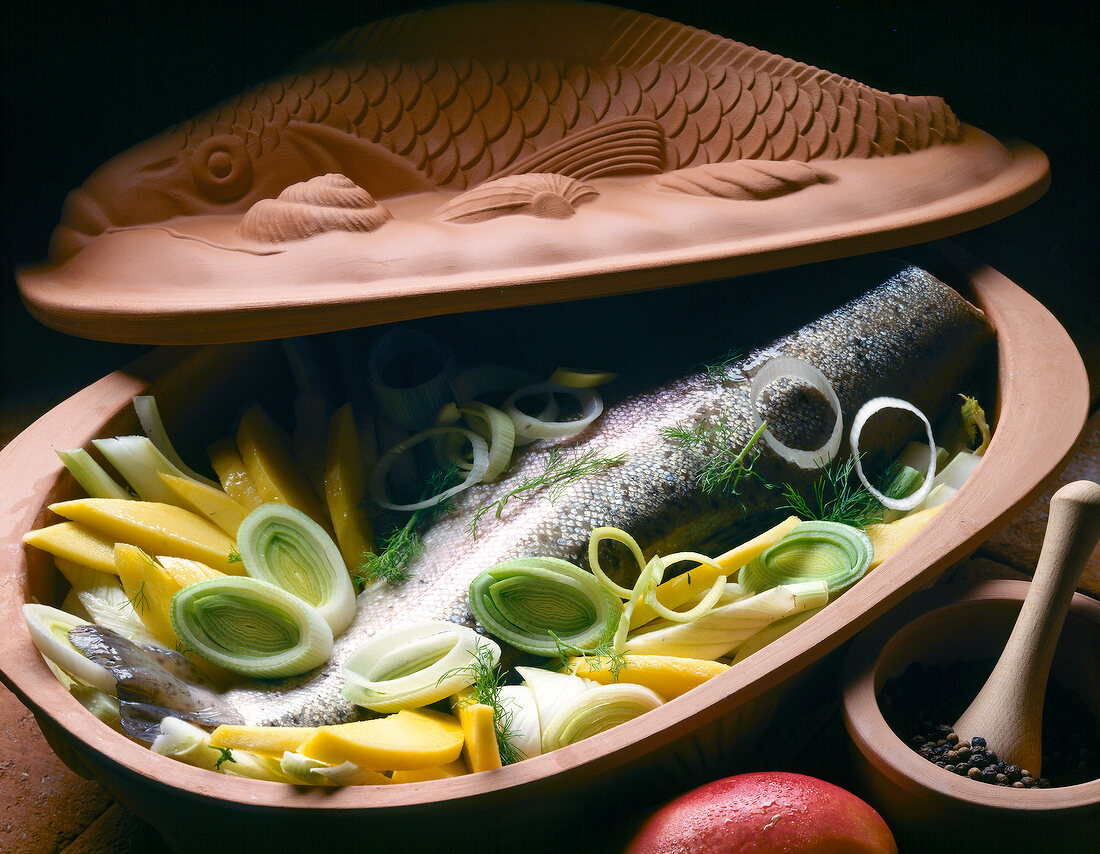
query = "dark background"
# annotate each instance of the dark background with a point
(83, 81)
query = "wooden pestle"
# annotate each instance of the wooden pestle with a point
(1008, 711)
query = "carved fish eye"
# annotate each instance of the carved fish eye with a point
(222, 167)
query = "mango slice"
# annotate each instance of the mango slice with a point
(150, 587)
(75, 543)
(684, 587)
(207, 501)
(888, 537)
(667, 675)
(403, 741)
(270, 741)
(272, 468)
(157, 528)
(480, 749)
(344, 488)
(436, 772)
(227, 463)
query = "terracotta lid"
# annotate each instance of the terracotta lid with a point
(475, 156)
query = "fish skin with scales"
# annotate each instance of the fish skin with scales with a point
(911, 337)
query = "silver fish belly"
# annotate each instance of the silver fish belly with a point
(911, 337)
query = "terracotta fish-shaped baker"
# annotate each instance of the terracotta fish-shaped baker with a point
(450, 98)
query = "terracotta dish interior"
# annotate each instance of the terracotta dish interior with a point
(952, 624)
(689, 740)
(486, 156)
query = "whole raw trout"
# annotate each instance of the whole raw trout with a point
(912, 337)
(452, 97)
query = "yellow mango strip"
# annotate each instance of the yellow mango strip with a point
(150, 587)
(436, 772)
(271, 741)
(272, 468)
(76, 543)
(404, 741)
(888, 537)
(480, 749)
(686, 586)
(227, 463)
(157, 528)
(667, 675)
(186, 571)
(207, 501)
(344, 489)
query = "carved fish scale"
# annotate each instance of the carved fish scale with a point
(453, 97)
(461, 120)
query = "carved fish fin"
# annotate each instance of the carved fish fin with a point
(629, 145)
(744, 180)
(372, 166)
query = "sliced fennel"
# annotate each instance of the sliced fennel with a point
(533, 603)
(140, 461)
(552, 691)
(414, 666)
(91, 476)
(49, 629)
(251, 627)
(521, 713)
(105, 602)
(596, 710)
(282, 545)
(187, 743)
(149, 415)
(721, 630)
(828, 551)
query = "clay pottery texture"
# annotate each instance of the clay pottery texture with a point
(927, 807)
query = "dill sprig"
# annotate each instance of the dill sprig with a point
(234, 556)
(226, 756)
(485, 689)
(560, 472)
(404, 544)
(718, 372)
(837, 496)
(138, 598)
(725, 465)
(603, 656)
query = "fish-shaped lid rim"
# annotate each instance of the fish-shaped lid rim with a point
(748, 176)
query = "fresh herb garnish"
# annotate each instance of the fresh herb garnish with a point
(404, 544)
(838, 496)
(725, 466)
(138, 598)
(226, 756)
(234, 556)
(560, 472)
(602, 657)
(717, 373)
(485, 689)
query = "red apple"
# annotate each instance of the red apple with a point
(765, 813)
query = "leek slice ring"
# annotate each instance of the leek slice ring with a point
(785, 367)
(862, 417)
(814, 551)
(281, 544)
(522, 601)
(414, 666)
(377, 485)
(532, 427)
(251, 626)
